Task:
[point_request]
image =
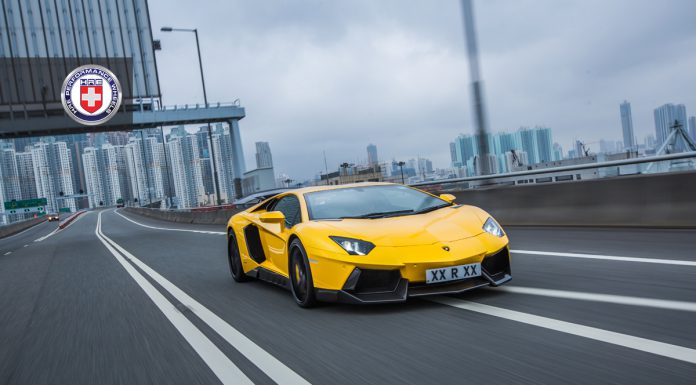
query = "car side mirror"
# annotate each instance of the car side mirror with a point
(449, 198)
(272, 217)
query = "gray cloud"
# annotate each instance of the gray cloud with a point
(334, 76)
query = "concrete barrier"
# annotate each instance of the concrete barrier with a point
(70, 219)
(658, 200)
(14, 228)
(217, 217)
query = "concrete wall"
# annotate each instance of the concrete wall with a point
(218, 217)
(6, 231)
(662, 200)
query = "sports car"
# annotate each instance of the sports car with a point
(367, 243)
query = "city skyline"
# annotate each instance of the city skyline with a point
(544, 63)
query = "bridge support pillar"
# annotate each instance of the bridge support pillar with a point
(238, 165)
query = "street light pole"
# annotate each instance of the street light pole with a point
(401, 166)
(205, 100)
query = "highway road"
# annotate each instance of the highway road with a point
(116, 298)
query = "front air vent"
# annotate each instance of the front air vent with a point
(253, 242)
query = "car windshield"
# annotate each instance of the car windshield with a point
(370, 202)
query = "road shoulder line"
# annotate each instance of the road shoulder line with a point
(167, 228)
(637, 343)
(606, 257)
(606, 298)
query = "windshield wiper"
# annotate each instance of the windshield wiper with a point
(379, 214)
(429, 209)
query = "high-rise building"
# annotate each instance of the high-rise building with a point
(544, 142)
(528, 139)
(453, 155)
(106, 175)
(204, 156)
(557, 152)
(156, 167)
(665, 117)
(264, 159)
(372, 159)
(186, 170)
(629, 139)
(465, 149)
(425, 166)
(135, 164)
(53, 174)
(10, 188)
(25, 170)
(692, 127)
(223, 154)
(9, 172)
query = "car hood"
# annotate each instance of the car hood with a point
(444, 225)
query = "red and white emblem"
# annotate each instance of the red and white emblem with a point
(91, 94)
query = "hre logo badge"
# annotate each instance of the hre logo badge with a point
(91, 95)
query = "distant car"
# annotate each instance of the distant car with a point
(53, 217)
(367, 243)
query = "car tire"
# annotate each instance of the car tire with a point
(235, 260)
(301, 282)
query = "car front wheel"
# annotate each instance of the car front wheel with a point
(235, 260)
(301, 283)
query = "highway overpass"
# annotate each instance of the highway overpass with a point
(152, 301)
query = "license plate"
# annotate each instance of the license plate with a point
(452, 273)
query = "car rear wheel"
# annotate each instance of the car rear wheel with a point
(235, 260)
(301, 283)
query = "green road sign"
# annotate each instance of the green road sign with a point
(25, 204)
(64, 209)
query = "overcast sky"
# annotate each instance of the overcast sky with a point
(336, 75)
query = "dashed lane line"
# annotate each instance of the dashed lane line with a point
(267, 363)
(606, 257)
(607, 298)
(642, 344)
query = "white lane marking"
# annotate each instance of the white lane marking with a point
(607, 257)
(167, 228)
(8, 253)
(47, 235)
(268, 364)
(26, 245)
(643, 344)
(217, 361)
(608, 298)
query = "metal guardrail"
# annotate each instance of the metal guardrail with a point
(576, 167)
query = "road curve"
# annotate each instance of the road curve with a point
(139, 301)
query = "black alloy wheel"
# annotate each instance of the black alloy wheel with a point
(301, 283)
(235, 259)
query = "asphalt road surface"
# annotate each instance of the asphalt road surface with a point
(115, 301)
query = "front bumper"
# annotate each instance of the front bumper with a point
(366, 286)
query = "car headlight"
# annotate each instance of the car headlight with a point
(492, 227)
(353, 246)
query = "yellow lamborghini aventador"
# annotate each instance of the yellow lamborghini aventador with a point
(367, 243)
